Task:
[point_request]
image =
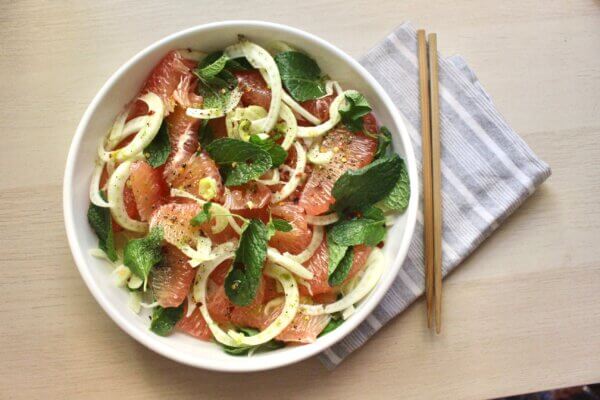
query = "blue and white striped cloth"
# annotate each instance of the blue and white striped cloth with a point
(487, 170)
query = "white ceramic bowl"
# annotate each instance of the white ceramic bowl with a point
(120, 89)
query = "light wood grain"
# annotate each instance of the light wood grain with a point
(425, 102)
(436, 175)
(520, 315)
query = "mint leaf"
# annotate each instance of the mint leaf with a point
(384, 139)
(211, 66)
(237, 64)
(342, 270)
(164, 319)
(243, 280)
(300, 75)
(332, 325)
(397, 199)
(202, 216)
(353, 110)
(359, 188)
(368, 229)
(336, 253)
(277, 153)
(242, 161)
(140, 255)
(205, 134)
(159, 149)
(275, 225)
(101, 222)
(282, 225)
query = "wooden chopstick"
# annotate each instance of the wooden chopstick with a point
(436, 157)
(427, 173)
(432, 193)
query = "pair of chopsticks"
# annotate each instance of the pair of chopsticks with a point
(432, 193)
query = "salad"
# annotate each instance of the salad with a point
(243, 197)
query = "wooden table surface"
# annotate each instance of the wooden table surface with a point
(522, 314)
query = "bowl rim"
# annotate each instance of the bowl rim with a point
(309, 350)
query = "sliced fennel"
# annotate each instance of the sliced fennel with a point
(244, 121)
(290, 308)
(318, 157)
(375, 266)
(303, 112)
(199, 293)
(288, 262)
(315, 242)
(322, 220)
(133, 126)
(135, 301)
(201, 253)
(295, 176)
(95, 188)
(145, 135)
(274, 180)
(116, 184)
(291, 126)
(120, 275)
(218, 212)
(334, 118)
(260, 58)
(135, 282)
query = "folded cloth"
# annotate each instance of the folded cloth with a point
(487, 170)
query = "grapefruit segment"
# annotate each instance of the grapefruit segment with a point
(198, 166)
(351, 151)
(183, 136)
(174, 218)
(318, 264)
(165, 77)
(296, 240)
(255, 90)
(250, 200)
(194, 325)
(172, 280)
(148, 187)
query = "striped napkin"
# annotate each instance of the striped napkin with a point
(487, 170)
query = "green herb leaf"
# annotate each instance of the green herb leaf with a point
(332, 325)
(101, 222)
(343, 269)
(277, 153)
(164, 319)
(384, 139)
(217, 91)
(353, 110)
(398, 198)
(202, 216)
(242, 351)
(282, 225)
(232, 64)
(368, 229)
(300, 75)
(159, 149)
(211, 66)
(243, 280)
(359, 188)
(336, 253)
(140, 255)
(242, 161)
(205, 134)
